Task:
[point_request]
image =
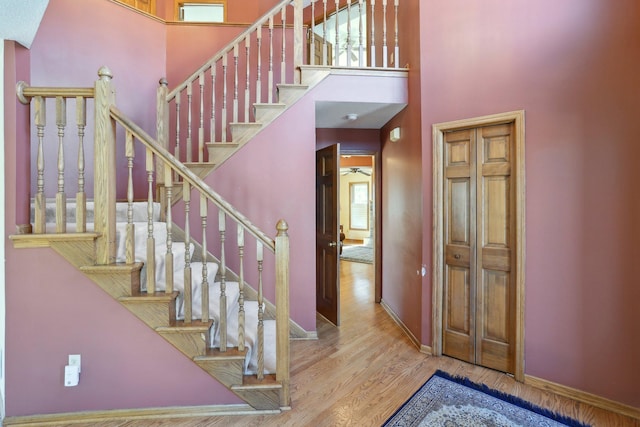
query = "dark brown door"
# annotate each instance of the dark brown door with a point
(479, 294)
(327, 233)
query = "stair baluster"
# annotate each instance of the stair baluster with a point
(176, 151)
(205, 255)
(201, 128)
(260, 345)
(247, 92)
(224, 98)
(169, 221)
(361, 34)
(325, 48)
(151, 241)
(396, 51)
(212, 125)
(336, 60)
(81, 196)
(40, 202)
(348, 41)
(241, 314)
(223, 282)
(130, 249)
(235, 83)
(372, 50)
(61, 197)
(189, 153)
(188, 286)
(270, 93)
(259, 66)
(384, 34)
(283, 62)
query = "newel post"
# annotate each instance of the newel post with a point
(104, 192)
(282, 311)
(298, 40)
(162, 125)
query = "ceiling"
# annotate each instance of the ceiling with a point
(20, 19)
(368, 115)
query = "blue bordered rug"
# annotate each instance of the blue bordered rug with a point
(445, 400)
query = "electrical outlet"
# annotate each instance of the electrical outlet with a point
(75, 360)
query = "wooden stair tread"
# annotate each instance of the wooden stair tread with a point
(112, 268)
(251, 382)
(44, 240)
(179, 326)
(215, 353)
(222, 144)
(143, 297)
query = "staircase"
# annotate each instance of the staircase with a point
(166, 253)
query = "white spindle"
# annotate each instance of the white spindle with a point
(81, 196)
(241, 313)
(361, 34)
(40, 202)
(223, 119)
(384, 34)
(373, 34)
(189, 155)
(396, 56)
(283, 64)
(201, 129)
(325, 48)
(336, 47)
(223, 282)
(212, 129)
(151, 241)
(188, 290)
(235, 83)
(176, 151)
(260, 258)
(205, 281)
(169, 221)
(61, 197)
(130, 249)
(348, 42)
(312, 36)
(247, 92)
(259, 65)
(270, 96)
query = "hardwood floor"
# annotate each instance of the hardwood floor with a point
(360, 373)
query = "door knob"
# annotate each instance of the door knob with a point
(332, 244)
(457, 256)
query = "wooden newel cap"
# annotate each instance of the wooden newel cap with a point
(105, 73)
(282, 227)
(163, 82)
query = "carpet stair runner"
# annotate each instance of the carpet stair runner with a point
(165, 312)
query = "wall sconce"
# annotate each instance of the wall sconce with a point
(394, 135)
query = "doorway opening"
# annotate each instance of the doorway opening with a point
(478, 241)
(347, 225)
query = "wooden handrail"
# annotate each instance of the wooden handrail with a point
(24, 91)
(228, 48)
(191, 177)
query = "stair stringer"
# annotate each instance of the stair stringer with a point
(191, 340)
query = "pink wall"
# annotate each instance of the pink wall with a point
(73, 42)
(402, 184)
(572, 67)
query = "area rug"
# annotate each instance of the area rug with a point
(357, 253)
(452, 401)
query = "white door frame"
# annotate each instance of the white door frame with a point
(518, 172)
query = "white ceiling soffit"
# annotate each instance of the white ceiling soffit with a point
(20, 19)
(355, 115)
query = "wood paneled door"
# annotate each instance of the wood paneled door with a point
(480, 284)
(327, 233)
